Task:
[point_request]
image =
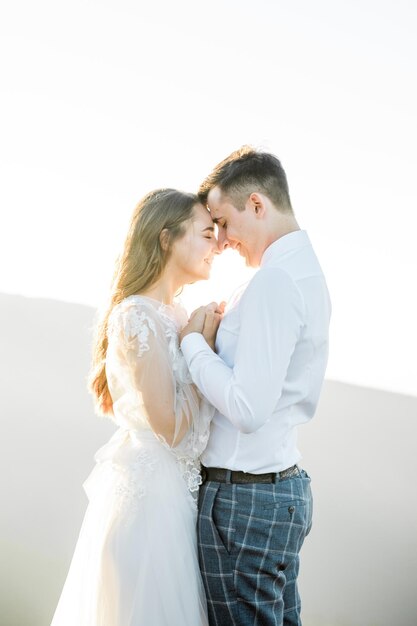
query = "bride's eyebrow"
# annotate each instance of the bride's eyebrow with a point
(208, 228)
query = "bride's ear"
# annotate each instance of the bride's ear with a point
(164, 239)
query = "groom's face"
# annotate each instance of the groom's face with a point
(237, 229)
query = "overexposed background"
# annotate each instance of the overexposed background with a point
(103, 101)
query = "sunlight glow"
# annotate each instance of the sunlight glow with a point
(104, 101)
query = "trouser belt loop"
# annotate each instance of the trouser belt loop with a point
(228, 476)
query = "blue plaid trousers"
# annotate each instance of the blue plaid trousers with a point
(249, 540)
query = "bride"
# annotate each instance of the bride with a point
(135, 563)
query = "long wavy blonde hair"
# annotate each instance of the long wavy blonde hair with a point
(141, 263)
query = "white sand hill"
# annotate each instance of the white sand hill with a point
(359, 565)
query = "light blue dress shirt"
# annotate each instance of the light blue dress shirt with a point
(272, 348)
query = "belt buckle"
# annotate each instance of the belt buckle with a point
(289, 472)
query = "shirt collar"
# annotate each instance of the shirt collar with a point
(287, 243)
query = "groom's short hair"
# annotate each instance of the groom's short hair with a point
(247, 170)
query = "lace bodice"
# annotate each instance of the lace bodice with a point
(150, 384)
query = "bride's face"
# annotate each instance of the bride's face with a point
(192, 254)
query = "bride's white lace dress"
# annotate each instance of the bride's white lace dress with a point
(135, 563)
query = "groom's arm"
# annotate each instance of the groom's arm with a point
(272, 316)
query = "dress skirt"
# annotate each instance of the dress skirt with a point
(135, 562)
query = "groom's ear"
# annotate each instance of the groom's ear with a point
(256, 203)
(164, 239)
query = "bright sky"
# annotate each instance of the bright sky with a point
(104, 100)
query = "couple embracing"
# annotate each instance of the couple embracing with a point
(197, 505)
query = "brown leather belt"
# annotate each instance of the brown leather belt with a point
(221, 475)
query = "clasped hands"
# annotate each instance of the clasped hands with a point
(205, 320)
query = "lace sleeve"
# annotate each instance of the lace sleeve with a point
(168, 406)
(139, 330)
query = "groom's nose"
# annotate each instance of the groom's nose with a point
(223, 241)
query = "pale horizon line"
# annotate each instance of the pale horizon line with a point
(344, 381)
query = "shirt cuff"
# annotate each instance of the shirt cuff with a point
(193, 343)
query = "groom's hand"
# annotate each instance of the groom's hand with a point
(205, 320)
(211, 324)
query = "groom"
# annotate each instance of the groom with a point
(255, 503)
